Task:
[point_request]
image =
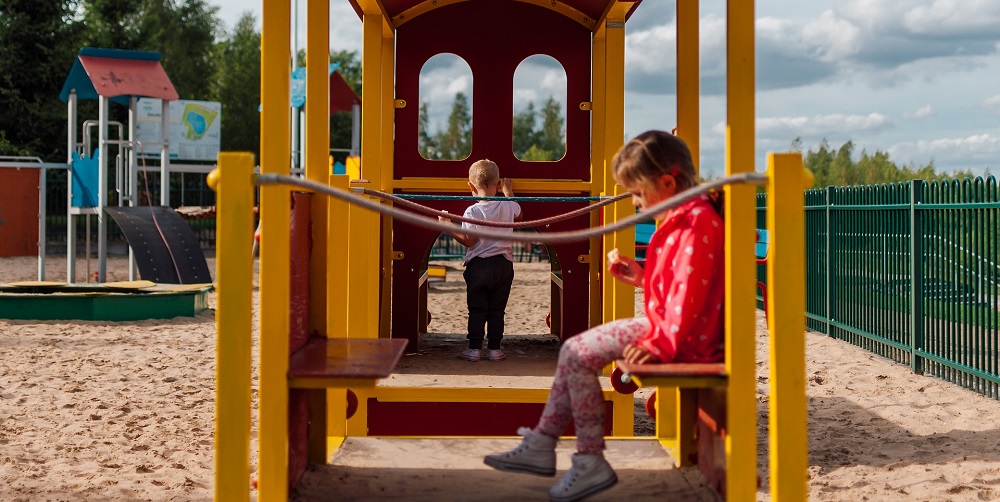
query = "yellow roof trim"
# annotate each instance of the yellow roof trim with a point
(554, 5)
(421, 8)
(565, 10)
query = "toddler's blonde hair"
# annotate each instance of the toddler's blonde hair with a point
(484, 173)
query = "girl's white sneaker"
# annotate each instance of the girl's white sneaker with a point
(535, 455)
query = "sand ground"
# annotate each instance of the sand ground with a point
(93, 410)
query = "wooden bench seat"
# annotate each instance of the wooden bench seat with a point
(681, 375)
(697, 403)
(343, 362)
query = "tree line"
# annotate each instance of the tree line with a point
(537, 134)
(837, 167)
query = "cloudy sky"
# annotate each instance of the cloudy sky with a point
(917, 78)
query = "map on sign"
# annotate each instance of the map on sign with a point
(194, 129)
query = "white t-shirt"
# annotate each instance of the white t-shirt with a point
(493, 210)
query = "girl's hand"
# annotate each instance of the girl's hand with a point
(443, 219)
(624, 269)
(637, 354)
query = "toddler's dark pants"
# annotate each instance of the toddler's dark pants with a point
(488, 281)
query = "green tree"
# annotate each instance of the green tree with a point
(542, 141)
(552, 136)
(455, 142)
(184, 33)
(426, 144)
(237, 86)
(39, 40)
(524, 130)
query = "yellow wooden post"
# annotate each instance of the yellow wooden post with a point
(787, 422)
(373, 93)
(623, 303)
(599, 291)
(337, 284)
(741, 440)
(317, 168)
(337, 256)
(688, 76)
(383, 261)
(317, 154)
(234, 286)
(360, 280)
(274, 253)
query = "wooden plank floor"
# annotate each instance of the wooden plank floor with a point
(432, 470)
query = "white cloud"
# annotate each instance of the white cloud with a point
(975, 151)
(923, 112)
(950, 17)
(820, 125)
(993, 102)
(832, 38)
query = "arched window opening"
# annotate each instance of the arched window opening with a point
(539, 132)
(444, 126)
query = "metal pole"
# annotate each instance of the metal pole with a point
(355, 129)
(164, 154)
(102, 189)
(129, 183)
(41, 224)
(70, 227)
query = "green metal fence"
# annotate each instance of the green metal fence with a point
(909, 271)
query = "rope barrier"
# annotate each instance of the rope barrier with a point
(486, 233)
(583, 198)
(398, 199)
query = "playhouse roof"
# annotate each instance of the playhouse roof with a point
(342, 97)
(586, 12)
(117, 74)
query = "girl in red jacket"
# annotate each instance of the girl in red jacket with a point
(682, 284)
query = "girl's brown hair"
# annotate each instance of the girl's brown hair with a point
(655, 153)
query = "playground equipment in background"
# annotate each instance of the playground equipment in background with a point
(379, 262)
(760, 252)
(643, 232)
(124, 77)
(110, 301)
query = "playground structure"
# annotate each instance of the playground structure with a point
(109, 76)
(382, 269)
(170, 252)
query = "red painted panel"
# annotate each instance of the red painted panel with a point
(712, 437)
(493, 38)
(459, 419)
(342, 97)
(128, 77)
(301, 244)
(19, 211)
(298, 435)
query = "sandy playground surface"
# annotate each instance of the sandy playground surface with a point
(94, 410)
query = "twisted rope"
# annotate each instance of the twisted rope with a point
(396, 199)
(487, 233)
(578, 198)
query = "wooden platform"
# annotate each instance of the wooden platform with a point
(431, 470)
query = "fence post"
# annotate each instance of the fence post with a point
(829, 262)
(916, 279)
